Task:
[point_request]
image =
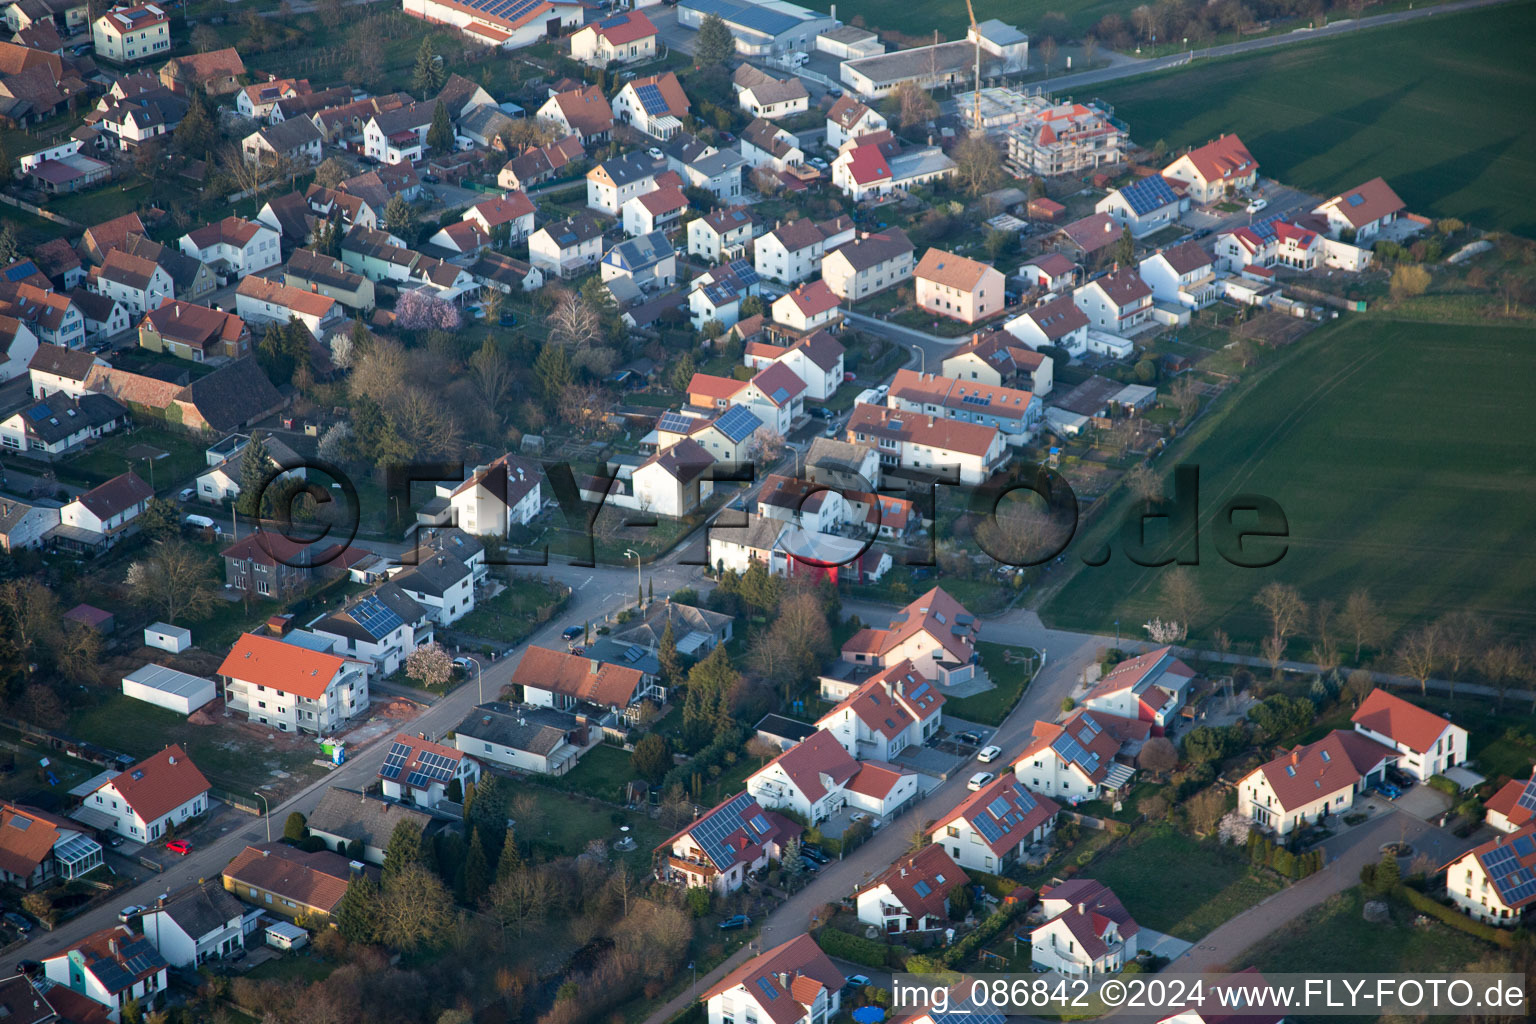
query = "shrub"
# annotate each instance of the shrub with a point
(852, 947)
(1444, 785)
(1456, 919)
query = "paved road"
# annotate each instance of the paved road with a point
(1068, 83)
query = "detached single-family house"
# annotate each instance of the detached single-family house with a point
(972, 451)
(1145, 205)
(1058, 322)
(112, 967)
(195, 925)
(765, 144)
(1088, 931)
(1493, 882)
(1513, 807)
(511, 214)
(934, 632)
(810, 306)
(1151, 687)
(128, 35)
(523, 738)
(913, 893)
(1184, 275)
(194, 332)
(583, 113)
(716, 294)
(60, 424)
(104, 514)
(719, 848)
(1215, 170)
(674, 482)
(655, 105)
(617, 39)
(563, 680)
(291, 687)
(847, 119)
(792, 252)
(290, 882)
(792, 983)
(992, 828)
(958, 287)
(347, 819)
(894, 709)
(39, 850)
(1311, 782)
(566, 248)
(138, 283)
(869, 264)
(1076, 759)
(327, 275)
(495, 497)
(148, 800)
(259, 300)
(1364, 211)
(659, 210)
(1427, 744)
(817, 359)
(808, 778)
(1118, 303)
(381, 628)
(442, 583)
(615, 182)
(649, 261)
(399, 135)
(234, 247)
(721, 236)
(765, 96)
(419, 772)
(296, 140)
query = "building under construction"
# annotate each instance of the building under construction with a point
(1000, 50)
(1048, 138)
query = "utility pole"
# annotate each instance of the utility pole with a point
(976, 95)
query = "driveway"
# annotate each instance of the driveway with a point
(1161, 944)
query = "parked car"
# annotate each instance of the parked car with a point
(18, 922)
(467, 664)
(1388, 790)
(815, 852)
(811, 866)
(855, 982)
(180, 846)
(1202, 233)
(115, 841)
(1400, 778)
(28, 967)
(572, 632)
(988, 754)
(1257, 205)
(430, 179)
(130, 912)
(979, 780)
(735, 921)
(186, 494)
(968, 737)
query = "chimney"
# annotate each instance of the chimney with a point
(784, 979)
(1296, 756)
(112, 945)
(1082, 908)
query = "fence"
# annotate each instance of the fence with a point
(244, 802)
(38, 211)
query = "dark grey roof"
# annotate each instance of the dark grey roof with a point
(54, 418)
(781, 727)
(233, 395)
(533, 729)
(434, 575)
(204, 909)
(684, 618)
(182, 268)
(350, 815)
(632, 167)
(290, 134)
(361, 620)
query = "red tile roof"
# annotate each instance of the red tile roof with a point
(1390, 715)
(875, 779)
(952, 271)
(234, 231)
(799, 958)
(944, 435)
(418, 746)
(503, 209)
(714, 387)
(939, 874)
(317, 880)
(27, 837)
(867, 165)
(1367, 203)
(625, 28)
(160, 783)
(813, 765)
(1505, 802)
(572, 675)
(1335, 762)
(941, 617)
(1027, 811)
(813, 299)
(286, 667)
(1140, 672)
(1091, 910)
(1225, 157)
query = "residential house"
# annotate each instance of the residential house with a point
(1145, 206)
(55, 368)
(722, 235)
(100, 239)
(461, 237)
(1493, 882)
(776, 394)
(839, 464)
(991, 829)
(1077, 759)
(18, 345)
(934, 633)
(847, 119)
(419, 772)
(502, 272)
(620, 38)
(717, 172)
(716, 294)
(52, 318)
(875, 166)
(398, 135)
(674, 482)
(266, 562)
(216, 73)
(765, 144)
(293, 688)
(1363, 212)
(1513, 807)
(524, 738)
(1215, 170)
(1273, 242)
(1058, 322)
(792, 983)
(892, 710)
(485, 125)
(139, 284)
(649, 261)
(127, 35)
(719, 848)
(958, 287)
(792, 251)
(144, 803)
(654, 104)
(1087, 932)
(24, 526)
(66, 16)
(1310, 782)
(869, 264)
(287, 881)
(295, 140)
(191, 278)
(195, 925)
(696, 631)
(135, 120)
(1052, 138)
(1090, 235)
(234, 247)
(537, 165)
(564, 680)
(312, 271)
(765, 96)
(58, 261)
(59, 424)
(913, 893)
(104, 316)
(225, 400)
(1183, 275)
(359, 825)
(1118, 303)
(112, 967)
(786, 549)
(441, 583)
(566, 248)
(382, 628)
(583, 113)
(971, 451)
(1015, 414)
(496, 497)
(377, 255)
(1150, 687)
(727, 437)
(808, 778)
(1426, 743)
(615, 182)
(105, 513)
(817, 359)
(1049, 272)
(292, 218)
(39, 850)
(259, 300)
(659, 210)
(510, 215)
(256, 101)
(808, 307)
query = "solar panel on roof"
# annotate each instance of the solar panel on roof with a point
(1091, 723)
(1148, 194)
(394, 761)
(1524, 846)
(1026, 800)
(674, 423)
(759, 824)
(1356, 199)
(767, 988)
(999, 807)
(375, 617)
(712, 831)
(650, 98)
(922, 888)
(1528, 796)
(738, 423)
(988, 828)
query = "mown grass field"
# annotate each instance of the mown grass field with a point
(1400, 454)
(1317, 936)
(1440, 108)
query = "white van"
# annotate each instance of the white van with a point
(202, 522)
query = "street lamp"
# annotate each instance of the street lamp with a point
(639, 586)
(694, 991)
(479, 682)
(268, 807)
(922, 354)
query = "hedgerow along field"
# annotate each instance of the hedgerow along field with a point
(1441, 108)
(1400, 453)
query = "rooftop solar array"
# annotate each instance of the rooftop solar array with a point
(651, 99)
(1265, 226)
(1528, 796)
(922, 888)
(375, 617)
(1071, 750)
(712, 831)
(394, 761)
(431, 767)
(1355, 199)
(738, 423)
(1003, 815)
(675, 423)
(509, 10)
(1148, 194)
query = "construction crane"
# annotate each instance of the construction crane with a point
(976, 95)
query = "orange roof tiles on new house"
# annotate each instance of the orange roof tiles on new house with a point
(1222, 158)
(160, 783)
(1387, 714)
(807, 762)
(785, 980)
(285, 667)
(1335, 762)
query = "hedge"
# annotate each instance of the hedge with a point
(853, 947)
(984, 933)
(996, 885)
(1444, 785)
(1456, 919)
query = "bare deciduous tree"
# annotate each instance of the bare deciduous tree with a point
(1462, 636)
(493, 373)
(1363, 620)
(1502, 664)
(1325, 642)
(1419, 653)
(573, 324)
(1286, 610)
(1182, 596)
(174, 579)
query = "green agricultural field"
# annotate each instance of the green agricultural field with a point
(1440, 108)
(1399, 453)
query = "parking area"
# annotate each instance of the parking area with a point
(1423, 802)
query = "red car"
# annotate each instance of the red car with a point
(180, 846)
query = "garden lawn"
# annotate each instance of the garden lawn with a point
(602, 773)
(1434, 107)
(1399, 454)
(184, 458)
(566, 822)
(991, 707)
(1313, 941)
(527, 603)
(1179, 885)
